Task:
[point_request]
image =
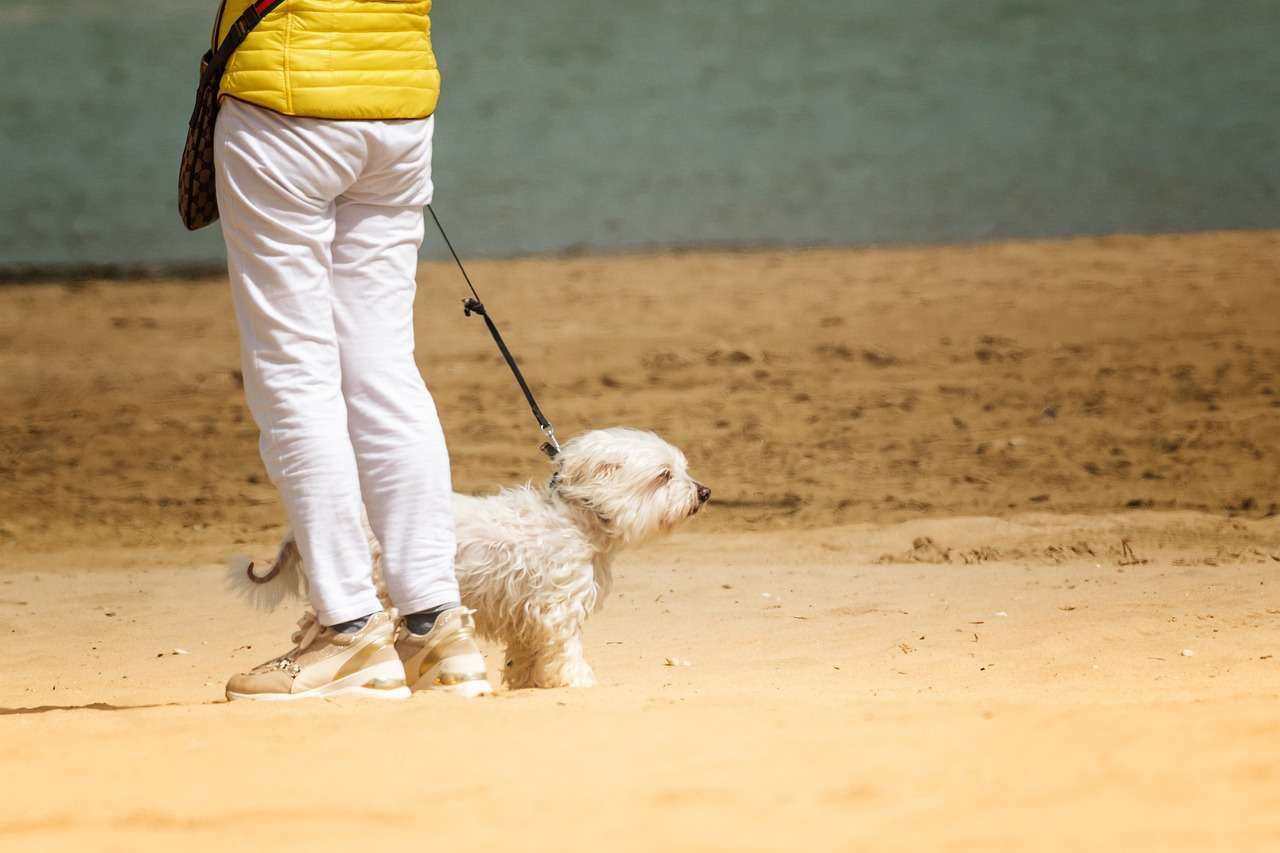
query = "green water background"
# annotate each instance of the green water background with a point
(599, 125)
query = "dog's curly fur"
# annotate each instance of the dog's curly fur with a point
(535, 561)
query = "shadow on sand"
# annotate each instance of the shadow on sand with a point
(91, 706)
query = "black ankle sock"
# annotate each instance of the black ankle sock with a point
(352, 625)
(422, 621)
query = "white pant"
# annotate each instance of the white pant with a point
(323, 220)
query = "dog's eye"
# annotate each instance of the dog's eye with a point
(664, 477)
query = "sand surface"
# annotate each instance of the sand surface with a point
(973, 507)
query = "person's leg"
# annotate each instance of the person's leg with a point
(399, 444)
(276, 180)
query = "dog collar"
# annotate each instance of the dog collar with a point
(551, 487)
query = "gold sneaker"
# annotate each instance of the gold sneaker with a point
(446, 657)
(326, 663)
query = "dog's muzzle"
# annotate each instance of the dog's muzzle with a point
(704, 495)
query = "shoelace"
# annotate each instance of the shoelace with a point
(308, 629)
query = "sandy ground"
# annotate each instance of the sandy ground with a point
(974, 507)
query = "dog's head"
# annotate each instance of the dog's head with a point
(636, 483)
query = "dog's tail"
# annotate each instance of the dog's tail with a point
(267, 590)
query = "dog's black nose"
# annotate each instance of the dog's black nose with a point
(704, 494)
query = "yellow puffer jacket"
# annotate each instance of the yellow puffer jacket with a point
(344, 59)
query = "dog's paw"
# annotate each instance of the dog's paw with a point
(575, 673)
(584, 680)
(518, 675)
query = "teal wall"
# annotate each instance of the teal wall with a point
(601, 125)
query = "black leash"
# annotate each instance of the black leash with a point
(473, 305)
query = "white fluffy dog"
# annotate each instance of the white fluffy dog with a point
(534, 562)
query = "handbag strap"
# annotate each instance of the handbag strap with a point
(249, 19)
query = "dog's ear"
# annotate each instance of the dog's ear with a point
(586, 471)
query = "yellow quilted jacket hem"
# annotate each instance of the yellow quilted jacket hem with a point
(339, 59)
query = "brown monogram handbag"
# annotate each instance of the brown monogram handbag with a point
(197, 195)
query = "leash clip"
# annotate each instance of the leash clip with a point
(551, 447)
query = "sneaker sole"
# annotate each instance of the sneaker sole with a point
(376, 682)
(462, 675)
(469, 689)
(401, 692)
